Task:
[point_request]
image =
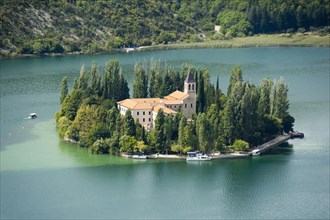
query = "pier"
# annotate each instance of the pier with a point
(278, 140)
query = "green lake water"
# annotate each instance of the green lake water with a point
(43, 177)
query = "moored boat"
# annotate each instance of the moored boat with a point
(255, 152)
(195, 156)
(140, 156)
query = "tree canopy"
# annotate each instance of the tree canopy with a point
(246, 117)
(42, 27)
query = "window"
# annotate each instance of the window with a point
(185, 105)
(144, 112)
(191, 105)
(193, 86)
(189, 87)
(149, 112)
(144, 120)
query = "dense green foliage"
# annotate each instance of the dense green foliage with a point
(247, 116)
(57, 26)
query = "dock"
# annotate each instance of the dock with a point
(277, 141)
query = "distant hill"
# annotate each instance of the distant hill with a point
(39, 27)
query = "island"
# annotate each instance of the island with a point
(172, 111)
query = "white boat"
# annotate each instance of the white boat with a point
(32, 116)
(255, 152)
(139, 156)
(195, 156)
(129, 50)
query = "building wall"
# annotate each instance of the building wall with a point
(144, 116)
(189, 103)
(189, 106)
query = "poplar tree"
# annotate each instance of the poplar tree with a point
(235, 76)
(82, 83)
(140, 84)
(96, 80)
(264, 100)
(153, 89)
(64, 90)
(281, 104)
(108, 81)
(249, 113)
(75, 83)
(232, 114)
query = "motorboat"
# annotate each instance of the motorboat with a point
(139, 156)
(255, 152)
(195, 156)
(32, 116)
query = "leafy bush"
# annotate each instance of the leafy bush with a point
(240, 145)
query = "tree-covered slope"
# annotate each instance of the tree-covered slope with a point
(51, 26)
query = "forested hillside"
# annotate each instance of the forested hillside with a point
(55, 26)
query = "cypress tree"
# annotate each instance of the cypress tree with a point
(159, 130)
(182, 125)
(75, 83)
(64, 90)
(129, 125)
(202, 132)
(124, 90)
(115, 80)
(200, 100)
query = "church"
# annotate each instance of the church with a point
(144, 110)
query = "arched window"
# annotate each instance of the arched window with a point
(189, 87)
(193, 86)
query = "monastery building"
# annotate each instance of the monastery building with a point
(145, 109)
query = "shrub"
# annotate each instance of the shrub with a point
(240, 145)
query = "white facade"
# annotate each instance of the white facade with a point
(145, 110)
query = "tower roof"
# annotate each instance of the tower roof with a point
(190, 78)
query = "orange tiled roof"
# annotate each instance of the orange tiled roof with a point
(166, 110)
(175, 98)
(145, 103)
(172, 101)
(176, 95)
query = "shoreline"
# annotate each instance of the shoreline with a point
(262, 40)
(216, 156)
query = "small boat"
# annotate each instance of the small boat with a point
(32, 116)
(296, 134)
(195, 156)
(255, 152)
(129, 50)
(139, 156)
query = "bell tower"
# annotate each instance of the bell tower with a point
(190, 89)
